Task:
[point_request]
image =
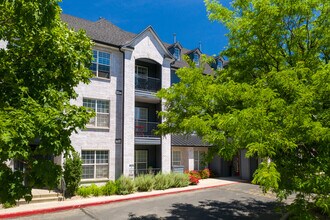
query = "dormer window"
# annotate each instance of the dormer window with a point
(219, 65)
(196, 59)
(177, 53)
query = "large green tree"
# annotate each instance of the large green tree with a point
(40, 65)
(273, 99)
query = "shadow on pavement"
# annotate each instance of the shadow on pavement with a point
(211, 209)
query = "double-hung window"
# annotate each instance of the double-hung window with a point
(95, 164)
(101, 64)
(176, 158)
(101, 108)
(177, 54)
(198, 160)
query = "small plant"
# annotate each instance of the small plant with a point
(204, 174)
(110, 188)
(194, 177)
(95, 190)
(7, 205)
(144, 182)
(84, 191)
(125, 185)
(180, 179)
(193, 180)
(72, 173)
(162, 181)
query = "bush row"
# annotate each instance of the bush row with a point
(195, 176)
(147, 182)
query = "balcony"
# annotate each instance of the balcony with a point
(145, 128)
(149, 84)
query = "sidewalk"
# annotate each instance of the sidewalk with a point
(40, 208)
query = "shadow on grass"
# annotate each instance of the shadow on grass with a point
(211, 209)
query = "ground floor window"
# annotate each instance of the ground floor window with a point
(141, 160)
(95, 164)
(176, 158)
(198, 160)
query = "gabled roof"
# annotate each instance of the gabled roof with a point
(101, 31)
(188, 140)
(176, 44)
(196, 50)
(153, 32)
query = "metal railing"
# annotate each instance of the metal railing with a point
(147, 83)
(145, 128)
(153, 171)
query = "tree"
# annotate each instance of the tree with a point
(273, 99)
(72, 173)
(42, 63)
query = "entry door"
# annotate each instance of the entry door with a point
(141, 161)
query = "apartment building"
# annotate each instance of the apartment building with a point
(129, 69)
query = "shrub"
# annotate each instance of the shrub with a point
(95, 190)
(125, 185)
(72, 173)
(84, 191)
(110, 188)
(204, 174)
(195, 174)
(162, 181)
(180, 180)
(144, 182)
(193, 180)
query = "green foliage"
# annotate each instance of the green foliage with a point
(95, 190)
(110, 188)
(84, 191)
(125, 185)
(272, 99)
(72, 173)
(180, 180)
(163, 181)
(42, 63)
(144, 182)
(205, 173)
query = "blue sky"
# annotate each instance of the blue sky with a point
(186, 18)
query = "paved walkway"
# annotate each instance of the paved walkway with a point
(39, 208)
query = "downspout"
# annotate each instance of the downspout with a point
(122, 110)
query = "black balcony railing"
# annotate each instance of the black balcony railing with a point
(147, 83)
(145, 128)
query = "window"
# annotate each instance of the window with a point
(101, 108)
(176, 158)
(95, 164)
(141, 120)
(198, 160)
(141, 71)
(141, 160)
(196, 58)
(101, 64)
(177, 53)
(219, 65)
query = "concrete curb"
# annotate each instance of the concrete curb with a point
(77, 206)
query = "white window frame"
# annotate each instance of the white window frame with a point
(177, 53)
(176, 162)
(94, 121)
(196, 58)
(198, 160)
(144, 69)
(97, 63)
(144, 162)
(95, 164)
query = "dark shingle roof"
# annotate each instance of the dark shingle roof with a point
(105, 32)
(101, 30)
(188, 140)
